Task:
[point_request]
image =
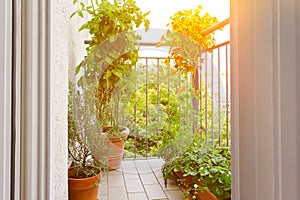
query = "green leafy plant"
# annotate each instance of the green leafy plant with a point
(113, 48)
(166, 110)
(200, 168)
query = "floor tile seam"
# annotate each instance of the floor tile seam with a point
(126, 189)
(137, 192)
(116, 186)
(148, 166)
(126, 195)
(166, 196)
(140, 185)
(141, 181)
(158, 182)
(107, 186)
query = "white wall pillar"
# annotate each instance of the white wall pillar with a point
(265, 124)
(50, 45)
(44, 157)
(35, 102)
(67, 51)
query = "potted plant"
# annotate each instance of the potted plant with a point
(115, 145)
(204, 172)
(85, 170)
(111, 53)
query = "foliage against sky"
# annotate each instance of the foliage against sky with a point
(186, 40)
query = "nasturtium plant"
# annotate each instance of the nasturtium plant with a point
(186, 39)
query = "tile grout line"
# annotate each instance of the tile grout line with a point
(107, 189)
(141, 180)
(126, 189)
(158, 181)
(151, 168)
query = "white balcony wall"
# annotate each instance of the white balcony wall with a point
(69, 50)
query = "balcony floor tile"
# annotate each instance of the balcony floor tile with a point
(137, 180)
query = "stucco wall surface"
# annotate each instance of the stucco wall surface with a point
(69, 51)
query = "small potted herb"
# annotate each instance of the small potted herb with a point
(85, 169)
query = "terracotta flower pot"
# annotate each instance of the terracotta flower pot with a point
(84, 188)
(205, 195)
(115, 150)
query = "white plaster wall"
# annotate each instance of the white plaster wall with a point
(69, 51)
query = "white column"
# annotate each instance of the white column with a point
(35, 133)
(51, 45)
(5, 99)
(44, 106)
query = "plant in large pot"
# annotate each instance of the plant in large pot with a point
(85, 169)
(204, 172)
(111, 53)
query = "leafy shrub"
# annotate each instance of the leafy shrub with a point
(202, 168)
(163, 118)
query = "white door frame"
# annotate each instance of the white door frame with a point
(265, 41)
(6, 96)
(44, 157)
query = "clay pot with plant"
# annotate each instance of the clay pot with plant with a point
(115, 146)
(85, 170)
(111, 52)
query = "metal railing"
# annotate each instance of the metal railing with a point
(161, 104)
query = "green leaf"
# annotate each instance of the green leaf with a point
(117, 73)
(220, 180)
(84, 26)
(205, 159)
(74, 13)
(80, 14)
(82, 5)
(147, 13)
(204, 172)
(80, 82)
(78, 68)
